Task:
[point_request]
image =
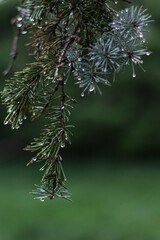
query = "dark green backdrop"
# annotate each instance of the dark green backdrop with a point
(111, 165)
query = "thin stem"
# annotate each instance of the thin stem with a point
(71, 99)
(68, 43)
(49, 101)
(14, 51)
(63, 96)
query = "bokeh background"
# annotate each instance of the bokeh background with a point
(112, 165)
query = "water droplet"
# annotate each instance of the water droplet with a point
(66, 137)
(141, 35)
(5, 122)
(24, 32)
(63, 145)
(19, 19)
(63, 141)
(134, 75)
(19, 25)
(42, 200)
(82, 94)
(79, 79)
(92, 88)
(133, 60)
(148, 53)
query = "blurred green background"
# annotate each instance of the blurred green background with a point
(112, 165)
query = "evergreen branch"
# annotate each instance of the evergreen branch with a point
(87, 40)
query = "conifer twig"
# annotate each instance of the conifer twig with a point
(63, 96)
(49, 101)
(70, 40)
(71, 99)
(14, 51)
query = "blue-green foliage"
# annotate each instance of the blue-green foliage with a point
(125, 44)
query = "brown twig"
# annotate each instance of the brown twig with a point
(14, 47)
(49, 101)
(70, 40)
(63, 96)
(30, 161)
(61, 59)
(71, 99)
(14, 51)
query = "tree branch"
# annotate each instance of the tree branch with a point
(70, 40)
(14, 51)
(14, 47)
